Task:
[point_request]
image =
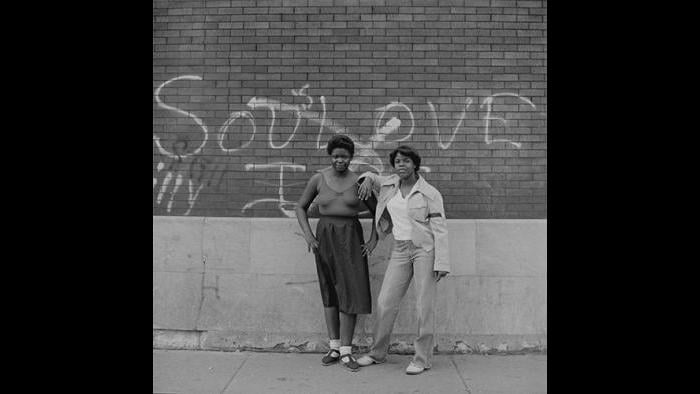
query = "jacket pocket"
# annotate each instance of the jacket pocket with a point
(418, 212)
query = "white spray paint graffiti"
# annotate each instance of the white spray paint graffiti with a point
(488, 101)
(392, 124)
(224, 129)
(285, 206)
(159, 167)
(191, 196)
(365, 154)
(454, 132)
(182, 161)
(195, 118)
(273, 105)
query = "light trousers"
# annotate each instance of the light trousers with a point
(407, 261)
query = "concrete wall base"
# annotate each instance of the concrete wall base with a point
(250, 284)
(314, 343)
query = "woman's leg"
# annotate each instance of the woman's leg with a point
(332, 324)
(397, 278)
(332, 321)
(347, 328)
(426, 288)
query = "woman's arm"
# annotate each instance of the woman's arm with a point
(368, 247)
(307, 196)
(369, 182)
(438, 224)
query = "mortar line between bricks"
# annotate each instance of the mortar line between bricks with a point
(460, 375)
(235, 373)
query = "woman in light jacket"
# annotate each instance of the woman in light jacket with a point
(412, 210)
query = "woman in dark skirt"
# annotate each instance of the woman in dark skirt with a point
(339, 248)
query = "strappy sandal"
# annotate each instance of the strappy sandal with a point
(349, 362)
(331, 357)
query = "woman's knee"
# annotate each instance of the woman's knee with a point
(386, 302)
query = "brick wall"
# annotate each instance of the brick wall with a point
(246, 94)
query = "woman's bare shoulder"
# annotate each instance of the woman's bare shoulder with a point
(316, 177)
(353, 175)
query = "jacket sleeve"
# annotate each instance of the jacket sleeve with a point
(438, 224)
(374, 178)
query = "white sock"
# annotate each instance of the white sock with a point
(345, 350)
(335, 344)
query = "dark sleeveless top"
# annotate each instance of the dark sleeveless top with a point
(337, 203)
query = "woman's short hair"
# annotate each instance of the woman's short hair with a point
(341, 141)
(408, 152)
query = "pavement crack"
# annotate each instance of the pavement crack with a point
(201, 295)
(235, 373)
(460, 375)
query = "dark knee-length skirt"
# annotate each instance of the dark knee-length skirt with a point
(343, 274)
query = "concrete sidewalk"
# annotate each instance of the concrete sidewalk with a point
(191, 371)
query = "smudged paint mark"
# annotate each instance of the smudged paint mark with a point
(159, 168)
(191, 199)
(323, 122)
(178, 182)
(164, 186)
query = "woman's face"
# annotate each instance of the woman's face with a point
(340, 159)
(404, 167)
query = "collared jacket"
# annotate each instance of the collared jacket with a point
(425, 209)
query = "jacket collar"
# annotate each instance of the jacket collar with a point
(421, 185)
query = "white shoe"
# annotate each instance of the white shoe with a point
(414, 369)
(368, 360)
